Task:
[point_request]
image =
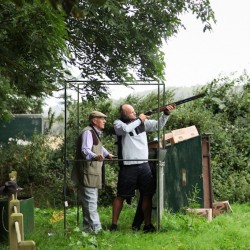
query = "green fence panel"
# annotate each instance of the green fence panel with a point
(27, 209)
(183, 173)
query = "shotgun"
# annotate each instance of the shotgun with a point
(162, 108)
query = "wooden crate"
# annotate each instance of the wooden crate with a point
(181, 134)
(184, 134)
(204, 212)
(221, 207)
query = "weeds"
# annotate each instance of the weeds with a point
(227, 231)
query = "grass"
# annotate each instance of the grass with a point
(178, 231)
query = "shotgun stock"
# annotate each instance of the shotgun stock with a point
(162, 108)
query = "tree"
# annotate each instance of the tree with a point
(107, 40)
(122, 40)
(32, 51)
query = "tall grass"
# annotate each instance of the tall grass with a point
(178, 231)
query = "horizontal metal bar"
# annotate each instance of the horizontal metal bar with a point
(114, 160)
(116, 83)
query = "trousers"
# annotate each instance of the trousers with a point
(91, 219)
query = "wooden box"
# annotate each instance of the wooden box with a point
(221, 207)
(181, 134)
(204, 212)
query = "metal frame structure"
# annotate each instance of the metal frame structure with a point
(160, 164)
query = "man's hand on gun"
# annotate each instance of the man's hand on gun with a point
(167, 110)
(143, 117)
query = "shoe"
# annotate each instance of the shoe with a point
(149, 228)
(113, 227)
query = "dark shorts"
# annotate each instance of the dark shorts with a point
(132, 177)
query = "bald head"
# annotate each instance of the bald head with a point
(127, 112)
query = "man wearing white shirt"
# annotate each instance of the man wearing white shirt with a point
(134, 170)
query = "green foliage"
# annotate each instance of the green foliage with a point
(121, 37)
(193, 198)
(108, 193)
(42, 30)
(106, 40)
(223, 113)
(5, 100)
(39, 168)
(12, 103)
(32, 48)
(230, 108)
(227, 231)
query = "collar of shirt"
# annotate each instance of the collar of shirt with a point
(97, 130)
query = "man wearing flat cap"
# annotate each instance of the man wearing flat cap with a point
(87, 170)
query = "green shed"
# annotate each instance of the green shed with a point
(23, 125)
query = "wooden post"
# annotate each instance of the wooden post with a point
(16, 228)
(14, 204)
(13, 201)
(27, 245)
(15, 223)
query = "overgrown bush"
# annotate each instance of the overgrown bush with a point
(223, 112)
(39, 165)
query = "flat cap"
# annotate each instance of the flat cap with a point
(96, 114)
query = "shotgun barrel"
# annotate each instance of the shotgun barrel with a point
(162, 108)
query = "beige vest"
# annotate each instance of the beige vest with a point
(87, 173)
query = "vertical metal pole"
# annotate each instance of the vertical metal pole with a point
(78, 110)
(158, 165)
(65, 151)
(163, 103)
(78, 131)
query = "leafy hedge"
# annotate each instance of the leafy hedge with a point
(223, 112)
(39, 168)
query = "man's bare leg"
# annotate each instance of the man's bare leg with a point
(117, 208)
